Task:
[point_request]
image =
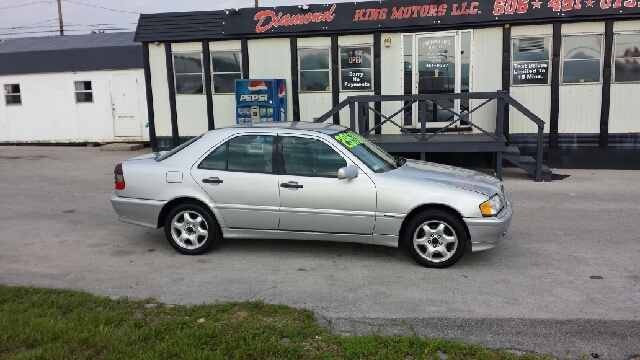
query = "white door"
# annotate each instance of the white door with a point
(124, 103)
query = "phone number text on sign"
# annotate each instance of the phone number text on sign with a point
(501, 7)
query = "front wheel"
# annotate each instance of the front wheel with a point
(435, 238)
(191, 229)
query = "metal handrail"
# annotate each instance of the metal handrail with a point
(502, 97)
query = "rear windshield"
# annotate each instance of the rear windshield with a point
(176, 149)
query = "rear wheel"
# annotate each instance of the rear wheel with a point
(435, 238)
(191, 229)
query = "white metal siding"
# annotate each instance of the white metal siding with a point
(583, 27)
(142, 103)
(347, 40)
(580, 104)
(536, 98)
(625, 107)
(271, 59)
(486, 73)
(580, 108)
(633, 25)
(224, 110)
(186, 47)
(314, 105)
(160, 90)
(49, 112)
(392, 74)
(314, 42)
(192, 114)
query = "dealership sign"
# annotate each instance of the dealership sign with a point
(407, 13)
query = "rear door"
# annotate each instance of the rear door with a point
(311, 196)
(241, 179)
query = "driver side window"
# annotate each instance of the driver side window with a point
(310, 157)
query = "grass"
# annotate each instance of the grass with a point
(40, 323)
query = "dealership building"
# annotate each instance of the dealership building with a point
(573, 63)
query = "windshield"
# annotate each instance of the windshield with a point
(371, 155)
(177, 148)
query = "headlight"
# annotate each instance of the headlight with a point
(492, 206)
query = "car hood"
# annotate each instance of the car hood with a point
(449, 175)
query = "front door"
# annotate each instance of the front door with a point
(124, 104)
(313, 199)
(240, 178)
(440, 64)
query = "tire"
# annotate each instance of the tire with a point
(191, 229)
(435, 239)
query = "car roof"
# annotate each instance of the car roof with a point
(213, 137)
(326, 128)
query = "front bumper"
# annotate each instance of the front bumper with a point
(486, 232)
(138, 211)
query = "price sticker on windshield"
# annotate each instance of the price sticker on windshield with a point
(348, 140)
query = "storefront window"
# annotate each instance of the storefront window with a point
(531, 59)
(225, 69)
(356, 68)
(315, 69)
(12, 94)
(627, 58)
(187, 68)
(582, 59)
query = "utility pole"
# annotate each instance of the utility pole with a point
(256, 1)
(60, 17)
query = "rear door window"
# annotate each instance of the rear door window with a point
(247, 153)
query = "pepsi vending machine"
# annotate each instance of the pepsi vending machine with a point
(260, 100)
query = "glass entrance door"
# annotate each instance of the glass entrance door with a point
(440, 65)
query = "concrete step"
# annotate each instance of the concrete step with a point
(121, 147)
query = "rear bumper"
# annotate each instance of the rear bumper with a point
(138, 211)
(486, 232)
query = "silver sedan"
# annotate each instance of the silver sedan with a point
(309, 181)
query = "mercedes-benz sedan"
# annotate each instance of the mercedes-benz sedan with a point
(308, 181)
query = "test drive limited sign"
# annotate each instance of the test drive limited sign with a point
(404, 14)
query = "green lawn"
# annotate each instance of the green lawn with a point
(59, 324)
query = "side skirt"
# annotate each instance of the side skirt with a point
(384, 240)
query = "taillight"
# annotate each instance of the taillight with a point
(119, 177)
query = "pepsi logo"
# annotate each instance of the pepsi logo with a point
(257, 86)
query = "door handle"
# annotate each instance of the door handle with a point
(212, 180)
(291, 185)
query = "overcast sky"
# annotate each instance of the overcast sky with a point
(20, 18)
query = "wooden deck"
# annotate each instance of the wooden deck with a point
(440, 143)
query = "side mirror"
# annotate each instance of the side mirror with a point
(349, 172)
